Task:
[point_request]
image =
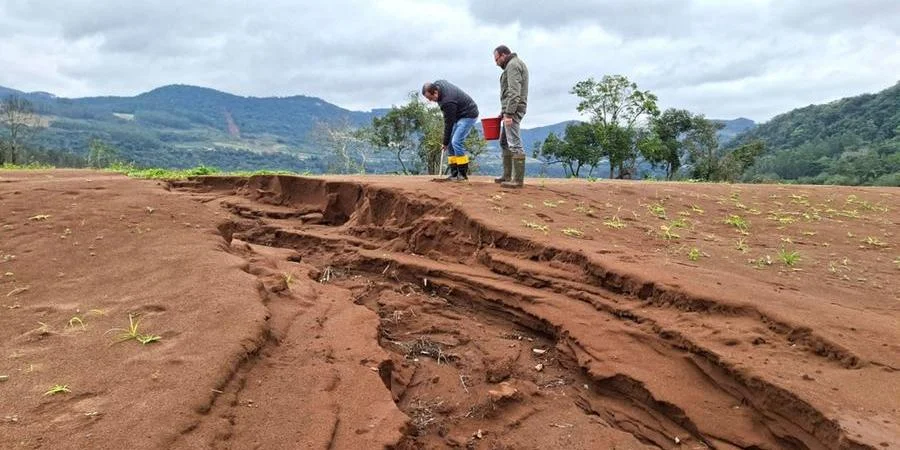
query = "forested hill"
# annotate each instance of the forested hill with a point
(854, 140)
(181, 126)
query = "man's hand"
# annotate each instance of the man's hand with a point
(507, 121)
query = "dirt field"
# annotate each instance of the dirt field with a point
(292, 313)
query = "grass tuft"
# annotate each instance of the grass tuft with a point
(133, 333)
(58, 389)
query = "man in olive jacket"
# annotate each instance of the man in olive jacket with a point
(460, 114)
(514, 101)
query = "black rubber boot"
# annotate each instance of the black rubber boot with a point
(462, 172)
(454, 173)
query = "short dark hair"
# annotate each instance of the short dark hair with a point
(429, 87)
(503, 50)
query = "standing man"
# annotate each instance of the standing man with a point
(513, 100)
(460, 113)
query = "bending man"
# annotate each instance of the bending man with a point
(460, 113)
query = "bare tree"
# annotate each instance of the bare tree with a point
(18, 123)
(347, 147)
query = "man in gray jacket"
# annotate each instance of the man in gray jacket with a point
(514, 100)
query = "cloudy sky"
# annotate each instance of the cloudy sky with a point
(722, 58)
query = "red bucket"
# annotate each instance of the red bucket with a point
(491, 127)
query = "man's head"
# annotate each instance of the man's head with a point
(431, 91)
(501, 55)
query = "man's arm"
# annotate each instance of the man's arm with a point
(451, 112)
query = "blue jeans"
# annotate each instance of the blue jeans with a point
(461, 130)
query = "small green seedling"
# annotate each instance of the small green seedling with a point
(552, 204)
(58, 389)
(678, 223)
(897, 261)
(738, 222)
(288, 277)
(694, 254)
(615, 222)
(789, 258)
(697, 209)
(741, 245)
(132, 333)
(147, 338)
(573, 232)
(658, 210)
(668, 234)
(39, 217)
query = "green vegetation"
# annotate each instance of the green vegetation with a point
(738, 222)
(668, 232)
(853, 141)
(657, 210)
(58, 389)
(615, 223)
(789, 258)
(132, 333)
(694, 254)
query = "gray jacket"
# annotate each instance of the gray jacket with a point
(514, 87)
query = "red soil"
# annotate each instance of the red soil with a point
(374, 312)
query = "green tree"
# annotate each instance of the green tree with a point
(667, 148)
(710, 161)
(399, 131)
(703, 149)
(579, 147)
(616, 107)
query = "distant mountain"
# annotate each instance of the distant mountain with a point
(5, 92)
(855, 140)
(733, 128)
(179, 126)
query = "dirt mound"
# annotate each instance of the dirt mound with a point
(340, 312)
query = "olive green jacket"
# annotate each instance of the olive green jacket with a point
(514, 87)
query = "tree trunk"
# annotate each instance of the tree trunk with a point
(400, 160)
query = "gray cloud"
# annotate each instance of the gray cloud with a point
(621, 17)
(754, 58)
